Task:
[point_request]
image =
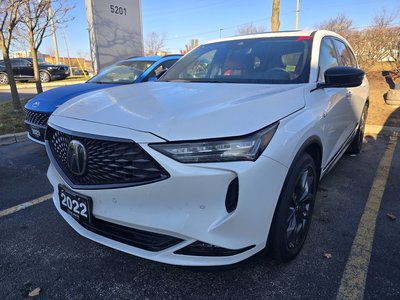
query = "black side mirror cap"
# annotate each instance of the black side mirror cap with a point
(342, 76)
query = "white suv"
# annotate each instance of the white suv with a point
(219, 158)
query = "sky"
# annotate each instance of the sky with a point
(183, 20)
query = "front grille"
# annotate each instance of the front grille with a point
(146, 240)
(109, 163)
(37, 118)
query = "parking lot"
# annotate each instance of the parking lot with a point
(39, 250)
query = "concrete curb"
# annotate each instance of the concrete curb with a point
(50, 84)
(12, 138)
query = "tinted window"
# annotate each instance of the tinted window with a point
(327, 57)
(163, 66)
(343, 53)
(122, 72)
(262, 60)
(169, 63)
(352, 58)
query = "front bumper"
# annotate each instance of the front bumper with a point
(56, 74)
(190, 206)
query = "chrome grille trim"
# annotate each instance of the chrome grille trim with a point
(112, 163)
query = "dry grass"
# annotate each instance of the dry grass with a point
(10, 120)
(379, 112)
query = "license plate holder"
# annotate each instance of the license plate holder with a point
(36, 131)
(76, 205)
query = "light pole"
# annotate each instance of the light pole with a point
(53, 30)
(69, 57)
(220, 32)
(297, 14)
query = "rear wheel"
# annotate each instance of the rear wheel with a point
(293, 214)
(356, 144)
(44, 77)
(3, 78)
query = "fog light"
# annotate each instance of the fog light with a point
(231, 200)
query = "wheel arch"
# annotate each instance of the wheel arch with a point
(312, 146)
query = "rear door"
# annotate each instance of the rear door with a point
(357, 94)
(26, 69)
(15, 63)
(338, 118)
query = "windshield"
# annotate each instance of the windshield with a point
(122, 72)
(260, 60)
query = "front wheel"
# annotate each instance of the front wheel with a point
(44, 77)
(3, 79)
(293, 214)
(356, 144)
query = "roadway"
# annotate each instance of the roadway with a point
(39, 250)
(5, 94)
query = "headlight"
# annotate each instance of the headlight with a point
(247, 147)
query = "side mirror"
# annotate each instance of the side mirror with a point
(341, 76)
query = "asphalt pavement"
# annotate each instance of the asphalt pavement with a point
(39, 250)
(5, 94)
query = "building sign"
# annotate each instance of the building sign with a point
(115, 30)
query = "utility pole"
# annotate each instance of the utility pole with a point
(69, 58)
(297, 14)
(275, 15)
(53, 30)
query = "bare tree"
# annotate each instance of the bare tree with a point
(249, 29)
(190, 46)
(36, 18)
(275, 23)
(378, 42)
(8, 22)
(155, 41)
(340, 24)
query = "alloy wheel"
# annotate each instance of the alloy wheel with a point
(300, 209)
(3, 79)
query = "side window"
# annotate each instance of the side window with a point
(327, 57)
(352, 58)
(163, 66)
(24, 63)
(16, 62)
(343, 53)
(169, 63)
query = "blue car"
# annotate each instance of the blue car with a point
(132, 70)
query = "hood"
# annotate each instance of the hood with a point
(48, 101)
(188, 111)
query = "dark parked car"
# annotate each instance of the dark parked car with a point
(23, 70)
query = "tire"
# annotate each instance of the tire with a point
(356, 144)
(294, 211)
(44, 77)
(3, 78)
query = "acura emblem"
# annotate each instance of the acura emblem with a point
(76, 158)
